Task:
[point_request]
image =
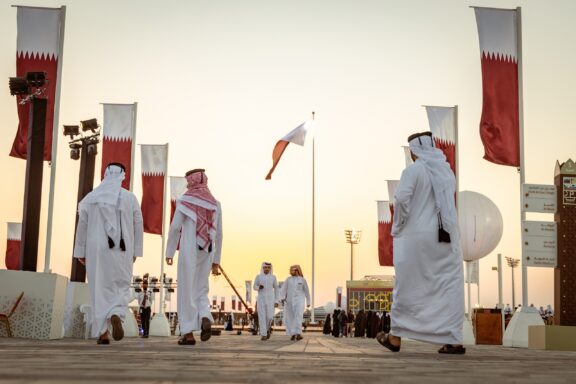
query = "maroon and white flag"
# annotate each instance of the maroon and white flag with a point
(13, 243)
(178, 185)
(407, 155)
(248, 284)
(385, 254)
(233, 302)
(222, 302)
(154, 168)
(214, 301)
(442, 121)
(239, 306)
(38, 50)
(296, 136)
(118, 138)
(338, 297)
(499, 124)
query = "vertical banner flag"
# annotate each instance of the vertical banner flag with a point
(38, 50)
(239, 306)
(339, 297)
(407, 155)
(118, 138)
(296, 136)
(233, 302)
(499, 124)
(249, 291)
(442, 121)
(154, 166)
(13, 242)
(384, 236)
(178, 185)
(214, 301)
(222, 302)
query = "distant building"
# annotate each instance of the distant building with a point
(372, 293)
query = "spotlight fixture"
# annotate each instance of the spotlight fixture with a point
(75, 151)
(71, 130)
(90, 125)
(18, 86)
(92, 148)
(36, 79)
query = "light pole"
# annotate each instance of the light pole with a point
(352, 237)
(513, 263)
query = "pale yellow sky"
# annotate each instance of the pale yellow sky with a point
(222, 81)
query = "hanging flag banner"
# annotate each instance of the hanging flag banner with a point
(38, 45)
(407, 156)
(296, 136)
(214, 301)
(339, 297)
(13, 243)
(119, 138)
(233, 302)
(499, 124)
(442, 122)
(249, 291)
(178, 185)
(473, 272)
(385, 253)
(154, 167)
(222, 302)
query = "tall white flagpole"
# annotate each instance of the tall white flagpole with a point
(134, 114)
(54, 142)
(521, 128)
(313, 318)
(161, 310)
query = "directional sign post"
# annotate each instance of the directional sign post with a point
(539, 198)
(539, 243)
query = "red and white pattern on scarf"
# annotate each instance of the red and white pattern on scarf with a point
(198, 189)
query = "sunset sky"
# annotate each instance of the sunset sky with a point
(222, 81)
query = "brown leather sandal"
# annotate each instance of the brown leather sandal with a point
(450, 349)
(187, 339)
(384, 340)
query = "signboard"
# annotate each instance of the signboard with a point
(539, 247)
(539, 198)
(569, 190)
(472, 272)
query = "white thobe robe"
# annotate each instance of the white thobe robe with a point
(194, 268)
(428, 301)
(294, 292)
(267, 297)
(109, 270)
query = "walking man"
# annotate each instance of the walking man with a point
(145, 300)
(109, 237)
(429, 290)
(197, 226)
(293, 293)
(267, 286)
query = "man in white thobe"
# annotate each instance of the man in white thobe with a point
(429, 289)
(267, 286)
(197, 226)
(109, 237)
(293, 293)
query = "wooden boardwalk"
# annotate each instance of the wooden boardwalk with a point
(244, 358)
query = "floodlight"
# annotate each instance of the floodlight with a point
(19, 86)
(90, 125)
(71, 130)
(92, 148)
(75, 151)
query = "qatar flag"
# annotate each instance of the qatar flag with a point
(442, 121)
(385, 254)
(118, 138)
(13, 242)
(154, 167)
(248, 284)
(38, 49)
(407, 155)
(178, 185)
(214, 301)
(499, 50)
(222, 301)
(296, 136)
(233, 302)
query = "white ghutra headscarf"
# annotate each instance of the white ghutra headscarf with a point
(442, 179)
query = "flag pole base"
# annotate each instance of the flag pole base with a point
(516, 334)
(467, 332)
(159, 326)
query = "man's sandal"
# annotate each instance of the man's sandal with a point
(452, 350)
(384, 340)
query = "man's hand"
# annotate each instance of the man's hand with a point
(308, 306)
(169, 260)
(133, 259)
(82, 261)
(260, 286)
(215, 269)
(275, 305)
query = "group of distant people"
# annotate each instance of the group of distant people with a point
(364, 324)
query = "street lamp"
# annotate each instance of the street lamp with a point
(352, 237)
(513, 263)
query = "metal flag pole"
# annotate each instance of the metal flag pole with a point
(134, 114)
(521, 129)
(161, 310)
(54, 142)
(313, 319)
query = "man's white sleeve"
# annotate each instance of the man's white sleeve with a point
(81, 233)
(218, 241)
(174, 234)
